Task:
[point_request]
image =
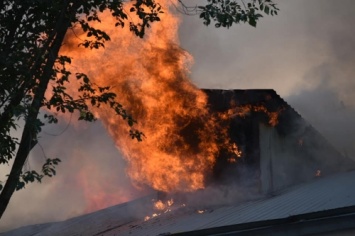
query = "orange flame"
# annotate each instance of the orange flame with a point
(150, 77)
(244, 110)
(161, 207)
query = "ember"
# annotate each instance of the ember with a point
(162, 207)
(201, 211)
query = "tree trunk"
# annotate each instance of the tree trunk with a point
(29, 135)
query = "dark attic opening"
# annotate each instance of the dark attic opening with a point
(278, 147)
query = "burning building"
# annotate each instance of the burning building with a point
(194, 138)
(202, 147)
(289, 174)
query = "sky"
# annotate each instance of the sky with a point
(305, 54)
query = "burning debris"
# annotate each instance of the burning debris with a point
(163, 207)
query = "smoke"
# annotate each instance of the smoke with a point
(90, 177)
(333, 116)
(328, 102)
(305, 54)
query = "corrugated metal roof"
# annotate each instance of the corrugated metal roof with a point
(322, 194)
(93, 223)
(128, 219)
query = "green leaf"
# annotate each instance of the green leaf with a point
(267, 10)
(20, 185)
(252, 21)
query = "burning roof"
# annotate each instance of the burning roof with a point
(324, 197)
(256, 187)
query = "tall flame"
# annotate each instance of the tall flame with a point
(150, 77)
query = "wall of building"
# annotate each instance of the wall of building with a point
(282, 161)
(296, 157)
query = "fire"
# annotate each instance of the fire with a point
(161, 208)
(159, 205)
(182, 139)
(232, 160)
(150, 76)
(245, 110)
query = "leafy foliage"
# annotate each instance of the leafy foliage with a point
(31, 34)
(48, 169)
(26, 39)
(225, 13)
(146, 17)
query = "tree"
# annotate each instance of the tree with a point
(31, 35)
